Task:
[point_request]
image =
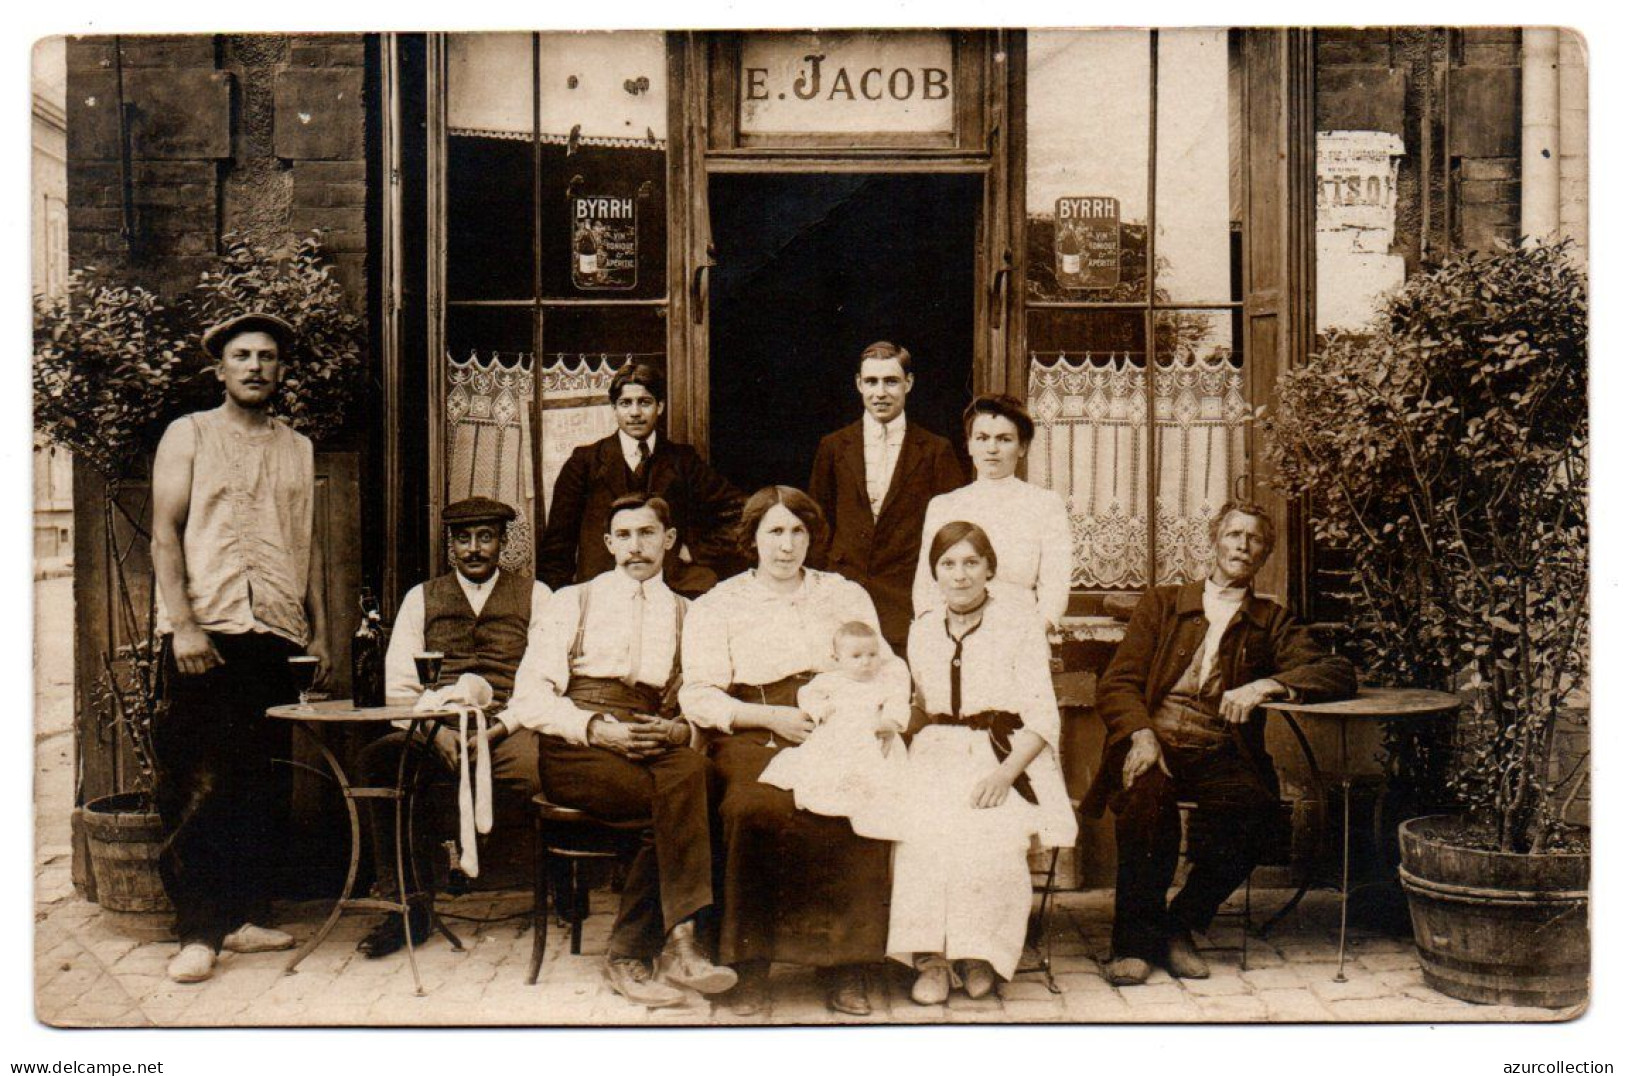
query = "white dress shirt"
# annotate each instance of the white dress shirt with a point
(1030, 532)
(743, 632)
(406, 638)
(629, 448)
(882, 444)
(539, 701)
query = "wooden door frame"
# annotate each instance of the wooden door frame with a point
(989, 143)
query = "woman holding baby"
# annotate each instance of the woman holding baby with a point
(798, 887)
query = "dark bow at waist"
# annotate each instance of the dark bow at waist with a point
(1000, 726)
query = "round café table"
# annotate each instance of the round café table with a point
(421, 724)
(1368, 704)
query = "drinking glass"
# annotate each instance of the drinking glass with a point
(304, 669)
(428, 664)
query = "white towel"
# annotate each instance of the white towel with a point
(469, 697)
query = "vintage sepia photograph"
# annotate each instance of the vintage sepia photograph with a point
(832, 526)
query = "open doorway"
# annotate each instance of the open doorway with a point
(811, 268)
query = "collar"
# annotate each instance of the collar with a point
(479, 588)
(1007, 484)
(794, 597)
(1188, 602)
(1212, 591)
(617, 582)
(629, 445)
(892, 431)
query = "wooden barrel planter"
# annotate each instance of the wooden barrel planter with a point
(124, 842)
(1498, 928)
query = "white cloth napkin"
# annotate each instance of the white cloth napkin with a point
(469, 697)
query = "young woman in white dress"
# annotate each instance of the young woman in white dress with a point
(1027, 524)
(982, 778)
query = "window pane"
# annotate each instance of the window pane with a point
(1201, 423)
(1087, 393)
(603, 198)
(1194, 248)
(490, 162)
(1088, 133)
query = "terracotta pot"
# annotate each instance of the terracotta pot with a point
(1499, 928)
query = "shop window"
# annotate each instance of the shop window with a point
(1133, 295)
(555, 250)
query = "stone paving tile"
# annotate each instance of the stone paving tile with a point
(87, 974)
(1294, 1004)
(1153, 993)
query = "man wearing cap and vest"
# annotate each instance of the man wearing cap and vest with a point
(704, 505)
(600, 686)
(239, 579)
(483, 620)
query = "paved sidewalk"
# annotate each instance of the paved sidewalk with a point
(87, 974)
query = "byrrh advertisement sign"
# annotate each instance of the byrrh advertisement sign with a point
(850, 82)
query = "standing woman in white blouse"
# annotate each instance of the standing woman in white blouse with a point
(798, 887)
(1027, 524)
(982, 776)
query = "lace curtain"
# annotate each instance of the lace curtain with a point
(1090, 446)
(488, 426)
(488, 442)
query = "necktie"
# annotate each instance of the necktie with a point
(641, 471)
(634, 647)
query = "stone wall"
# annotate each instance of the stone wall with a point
(259, 134)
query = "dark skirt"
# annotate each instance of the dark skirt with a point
(798, 887)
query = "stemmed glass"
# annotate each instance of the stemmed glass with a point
(304, 669)
(428, 664)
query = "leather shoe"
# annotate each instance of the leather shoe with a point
(1183, 962)
(388, 937)
(632, 979)
(979, 978)
(1127, 971)
(932, 984)
(749, 995)
(682, 963)
(193, 964)
(249, 938)
(845, 992)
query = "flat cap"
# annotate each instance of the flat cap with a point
(477, 510)
(217, 336)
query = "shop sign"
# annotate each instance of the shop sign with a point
(604, 242)
(1088, 247)
(846, 83)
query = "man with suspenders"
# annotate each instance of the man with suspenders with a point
(600, 687)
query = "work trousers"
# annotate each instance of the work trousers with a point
(1236, 805)
(670, 878)
(216, 790)
(434, 791)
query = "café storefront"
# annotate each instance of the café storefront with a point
(1132, 230)
(1108, 224)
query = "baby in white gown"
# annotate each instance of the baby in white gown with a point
(851, 764)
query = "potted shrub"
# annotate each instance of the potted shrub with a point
(1443, 453)
(113, 365)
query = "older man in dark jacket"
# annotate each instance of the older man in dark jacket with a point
(1179, 701)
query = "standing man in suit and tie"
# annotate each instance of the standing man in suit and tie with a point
(636, 458)
(873, 480)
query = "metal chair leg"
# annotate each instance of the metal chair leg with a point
(538, 907)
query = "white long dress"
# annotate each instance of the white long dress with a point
(1030, 531)
(960, 885)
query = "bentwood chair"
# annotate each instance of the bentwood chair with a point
(1035, 957)
(565, 838)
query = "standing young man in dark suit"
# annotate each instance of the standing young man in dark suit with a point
(873, 480)
(635, 458)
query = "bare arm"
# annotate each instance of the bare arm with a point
(171, 497)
